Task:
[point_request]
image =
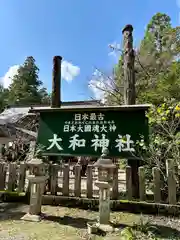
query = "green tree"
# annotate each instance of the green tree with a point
(4, 93)
(25, 88)
(164, 142)
(157, 68)
(115, 95)
(155, 32)
(45, 97)
(156, 65)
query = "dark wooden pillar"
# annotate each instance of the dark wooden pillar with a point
(56, 89)
(128, 62)
(56, 82)
(130, 94)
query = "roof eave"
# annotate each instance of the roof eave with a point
(89, 108)
(67, 103)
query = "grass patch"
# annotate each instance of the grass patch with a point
(116, 205)
(10, 196)
(134, 206)
(11, 193)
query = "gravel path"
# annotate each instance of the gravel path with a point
(16, 237)
(12, 228)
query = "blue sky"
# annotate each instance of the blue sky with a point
(79, 31)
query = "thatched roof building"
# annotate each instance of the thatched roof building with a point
(18, 121)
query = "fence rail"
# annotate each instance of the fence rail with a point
(62, 181)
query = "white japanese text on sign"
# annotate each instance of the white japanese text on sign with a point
(97, 125)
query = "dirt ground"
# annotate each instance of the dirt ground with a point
(70, 223)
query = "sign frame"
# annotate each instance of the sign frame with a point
(91, 109)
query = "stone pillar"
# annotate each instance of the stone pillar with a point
(104, 202)
(37, 189)
(37, 184)
(104, 183)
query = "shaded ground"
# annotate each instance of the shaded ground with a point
(70, 223)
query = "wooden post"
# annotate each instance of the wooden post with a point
(115, 183)
(130, 94)
(56, 89)
(22, 177)
(77, 184)
(66, 180)
(142, 186)
(129, 73)
(89, 181)
(129, 183)
(2, 176)
(56, 82)
(171, 184)
(12, 177)
(53, 177)
(157, 184)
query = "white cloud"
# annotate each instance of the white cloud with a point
(69, 71)
(115, 47)
(6, 80)
(99, 85)
(96, 86)
(115, 51)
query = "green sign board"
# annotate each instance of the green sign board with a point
(85, 132)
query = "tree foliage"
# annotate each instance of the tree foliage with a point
(157, 62)
(157, 66)
(158, 83)
(163, 150)
(26, 88)
(4, 93)
(157, 69)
